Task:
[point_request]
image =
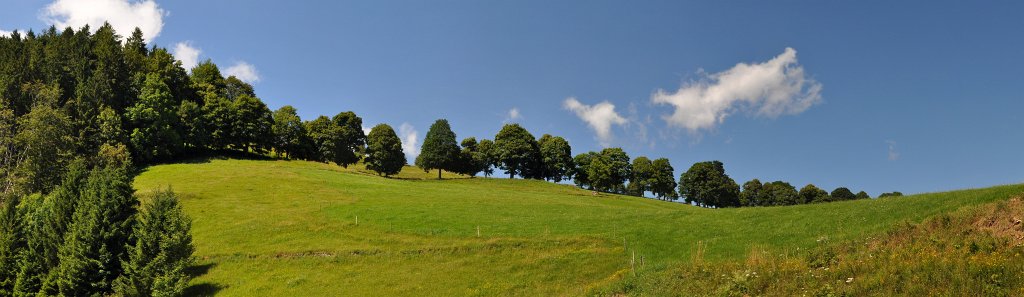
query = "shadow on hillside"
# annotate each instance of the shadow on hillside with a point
(204, 288)
(205, 156)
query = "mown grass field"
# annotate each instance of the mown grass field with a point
(291, 228)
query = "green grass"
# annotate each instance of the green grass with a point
(974, 251)
(284, 228)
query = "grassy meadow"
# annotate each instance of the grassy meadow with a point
(279, 228)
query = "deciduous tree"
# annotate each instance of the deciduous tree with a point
(289, 132)
(812, 194)
(842, 194)
(384, 151)
(351, 139)
(556, 158)
(706, 184)
(663, 184)
(516, 151)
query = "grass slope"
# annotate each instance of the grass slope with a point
(973, 251)
(290, 228)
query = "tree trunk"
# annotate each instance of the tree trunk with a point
(439, 173)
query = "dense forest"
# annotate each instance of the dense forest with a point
(81, 110)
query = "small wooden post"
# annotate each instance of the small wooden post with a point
(632, 263)
(477, 230)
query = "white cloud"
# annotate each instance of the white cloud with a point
(5, 32)
(770, 89)
(513, 115)
(244, 71)
(599, 117)
(410, 141)
(187, 54)
(893, 154)
(123, 15)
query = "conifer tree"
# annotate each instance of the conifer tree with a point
(162, 251)
(12, 242)
(440, 150)
(94, 246)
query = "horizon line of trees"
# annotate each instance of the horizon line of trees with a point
(80, 110)
(75, 93)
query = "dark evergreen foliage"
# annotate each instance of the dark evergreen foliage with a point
(440, 150)
(162, 251)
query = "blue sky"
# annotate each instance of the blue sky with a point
(914, 96)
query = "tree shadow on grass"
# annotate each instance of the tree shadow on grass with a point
(203, 288)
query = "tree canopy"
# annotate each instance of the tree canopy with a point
(706, 184)
(556, 158)
(517, 152)
(384, 151)
(440, 150)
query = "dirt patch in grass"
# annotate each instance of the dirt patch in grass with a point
(1004, 221)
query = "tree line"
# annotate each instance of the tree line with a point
(74, 93)
(80, 110)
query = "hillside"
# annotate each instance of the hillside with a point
(297, 228)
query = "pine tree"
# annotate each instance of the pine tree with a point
(440, 150)
(163, 250)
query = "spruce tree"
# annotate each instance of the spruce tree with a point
(34, 262)
(440, 150)
(94, 247)
(163, 250)
(12, 242)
